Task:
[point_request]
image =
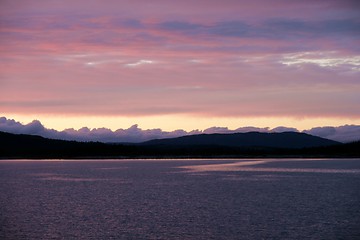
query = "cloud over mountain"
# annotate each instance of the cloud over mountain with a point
(134, 134)
(344, 133)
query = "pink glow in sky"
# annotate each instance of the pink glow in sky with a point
(193, 59)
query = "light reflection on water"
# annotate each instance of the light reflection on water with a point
(180, 199)
(239, 166)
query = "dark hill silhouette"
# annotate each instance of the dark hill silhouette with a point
(31, 146)
(254, 144)
(250, 139)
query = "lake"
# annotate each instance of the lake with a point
(180, 199)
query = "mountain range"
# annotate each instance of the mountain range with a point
(252, 144)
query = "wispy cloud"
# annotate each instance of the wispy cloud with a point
(323, 59)
(138, 63)
(204, 58)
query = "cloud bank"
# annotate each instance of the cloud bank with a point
(134, 134)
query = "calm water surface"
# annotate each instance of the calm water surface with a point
(180, 199)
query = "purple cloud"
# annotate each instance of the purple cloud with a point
(284, 129)
(132, 134)
(135, 134)
(346, 133)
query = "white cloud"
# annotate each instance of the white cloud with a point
(322, 59)
(138, 63)
(91, 59)
(93, 63)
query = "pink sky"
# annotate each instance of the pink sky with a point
(192, 63)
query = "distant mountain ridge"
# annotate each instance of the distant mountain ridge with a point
(250, 139)
(245, 145)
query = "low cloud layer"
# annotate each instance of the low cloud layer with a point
(346, 133)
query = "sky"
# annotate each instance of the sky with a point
(185, 65)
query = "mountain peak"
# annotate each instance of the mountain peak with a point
(249, 139)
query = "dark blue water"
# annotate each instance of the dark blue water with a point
(180, 199)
